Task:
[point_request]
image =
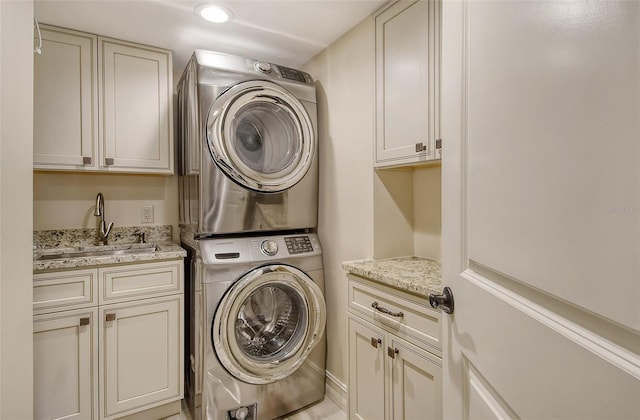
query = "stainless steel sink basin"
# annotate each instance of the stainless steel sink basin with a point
(96, 252)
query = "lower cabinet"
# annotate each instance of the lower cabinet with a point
(65, 365)
(389, 376)
(110, 360)
(140, 357)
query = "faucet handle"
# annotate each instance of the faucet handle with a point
(141, 237)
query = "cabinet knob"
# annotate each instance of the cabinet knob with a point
(108, 161)
(85, 321)
(420, 147)
(110, 317)
(391, 352)
(375, 342)
(86, 160)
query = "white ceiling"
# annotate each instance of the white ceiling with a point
(288, 32)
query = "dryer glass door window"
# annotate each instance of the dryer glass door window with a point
(267, 323)
(261, 136)
(266, 137)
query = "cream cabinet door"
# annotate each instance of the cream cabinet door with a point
(141, 355)
(416, 383)
(367, 365)
(136, 133)
(65, 354)
(407, 83)
(65, 101)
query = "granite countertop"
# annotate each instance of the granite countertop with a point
(421, 276)
(47, 243)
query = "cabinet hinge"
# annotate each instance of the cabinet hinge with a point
(439, 144)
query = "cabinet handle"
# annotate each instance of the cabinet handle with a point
(375, 342)
(391, 352)
(108, 161)
(85, 321)
(439, 144)
(86, 160)
(420, 147)
(110, 317)
(379, 308)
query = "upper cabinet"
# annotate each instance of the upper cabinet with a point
(101, 105)
(65, 93)
(408, 83)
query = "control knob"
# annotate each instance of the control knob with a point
(269, 247)
(263, 67)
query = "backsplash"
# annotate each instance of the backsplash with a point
(86, 237)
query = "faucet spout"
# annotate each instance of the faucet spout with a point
(99, 212)
(99, 209)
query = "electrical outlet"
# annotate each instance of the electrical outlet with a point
(147, 214)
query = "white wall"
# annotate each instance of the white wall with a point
(344, 74)
(67, 200)
(427, 211)
(16, 150)
(393, 213)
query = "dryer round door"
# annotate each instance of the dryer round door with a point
(267, 323)
(261, 136)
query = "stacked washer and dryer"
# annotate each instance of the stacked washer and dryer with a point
(248, 182)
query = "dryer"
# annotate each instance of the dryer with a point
(264, 345)
(247, 146)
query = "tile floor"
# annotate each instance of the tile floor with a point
(324, 410)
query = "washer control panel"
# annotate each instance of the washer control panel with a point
(298, 244)
(242, 250)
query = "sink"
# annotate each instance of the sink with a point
(98, 251)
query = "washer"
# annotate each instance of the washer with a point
(248, 146)
(264, 322)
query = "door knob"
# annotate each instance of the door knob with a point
(443, 301)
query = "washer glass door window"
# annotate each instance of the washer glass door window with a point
(268, 322)
(261, 136)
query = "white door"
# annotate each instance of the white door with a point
(541, 186)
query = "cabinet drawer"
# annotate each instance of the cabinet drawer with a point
(64, 290)
(125, 282)
(419, 323)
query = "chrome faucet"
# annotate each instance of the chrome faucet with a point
(99, 212)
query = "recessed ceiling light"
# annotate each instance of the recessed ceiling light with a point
(214, 13)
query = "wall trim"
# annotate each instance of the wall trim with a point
(336, 391)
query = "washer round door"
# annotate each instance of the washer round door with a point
(261, 136)
(268, 322)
